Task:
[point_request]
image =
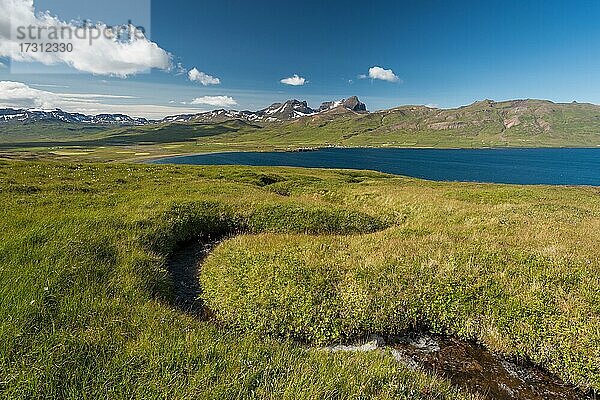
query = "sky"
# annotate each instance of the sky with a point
(202, 55)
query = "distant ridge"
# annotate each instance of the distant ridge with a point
(277, 112)
(482, 118)
(11, 115)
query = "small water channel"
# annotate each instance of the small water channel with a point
(471, 366)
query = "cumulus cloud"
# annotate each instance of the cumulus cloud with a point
(104, 56)
(216, 101)
(20, 95)
(294, 81)
(381, 74)
(204, 79)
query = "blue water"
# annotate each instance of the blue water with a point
(519, 166)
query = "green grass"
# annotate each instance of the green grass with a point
(85, 297)
(322, 256)
(515, 268)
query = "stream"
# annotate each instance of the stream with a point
(470, 366)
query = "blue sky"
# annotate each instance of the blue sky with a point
(444, 53)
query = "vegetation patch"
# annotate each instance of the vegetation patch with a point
(510, 274)
(83, 276)
(312, 220)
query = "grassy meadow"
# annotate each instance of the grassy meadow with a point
(85, 300)
(513, 267)
(318, 257)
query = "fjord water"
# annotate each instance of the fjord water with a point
(550, 166)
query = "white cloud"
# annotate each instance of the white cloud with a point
(381, 74)
(86, 96)
(20, 95)
(48, 85)
(179, 69)
(2, 65)
(294, 81)
(216, 101)
(105, 55)
(204, 79)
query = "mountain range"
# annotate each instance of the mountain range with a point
(25, 116)
(277, 112)
(345, 122)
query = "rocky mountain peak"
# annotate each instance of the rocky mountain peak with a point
(351, 103)
(354, 104)
(291, 109)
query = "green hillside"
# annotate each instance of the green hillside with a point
(519, 123)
